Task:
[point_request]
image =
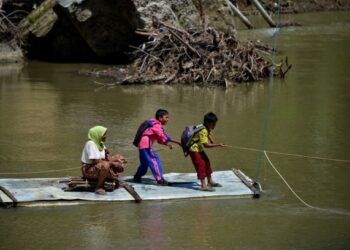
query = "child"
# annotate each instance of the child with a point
(96, 162)
(148, 156)
(199, 157)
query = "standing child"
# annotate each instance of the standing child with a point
(153, 131)
(199, 158)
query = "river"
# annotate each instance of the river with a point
(46, 110)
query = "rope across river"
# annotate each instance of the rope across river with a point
(297, 196)
(162, 149)
(265, 152)
(289, 154)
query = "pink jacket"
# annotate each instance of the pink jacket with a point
(152, 134)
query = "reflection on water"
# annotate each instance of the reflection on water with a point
(46, 111)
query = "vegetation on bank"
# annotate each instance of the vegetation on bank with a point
(208, 57)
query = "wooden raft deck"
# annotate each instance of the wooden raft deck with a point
(50, 191)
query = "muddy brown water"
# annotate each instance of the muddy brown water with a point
(46, 110)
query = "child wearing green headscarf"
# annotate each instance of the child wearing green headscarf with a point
(96, 161)
(96, 134)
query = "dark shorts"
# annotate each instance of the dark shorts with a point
(201, 163)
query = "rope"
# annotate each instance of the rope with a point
(269, 95)
(296, 195)
(162, 149)
(289, 154)
(311, 157)
(41, 172)
(65, 169)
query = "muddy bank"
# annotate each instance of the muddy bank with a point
(101, 31)
(71, 30)
(10, 52)
(188, 14)
(67, 32)
(89, 31)
(193, 46)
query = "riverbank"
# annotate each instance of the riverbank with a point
(176, 55)
(219, 70)
(298, 6)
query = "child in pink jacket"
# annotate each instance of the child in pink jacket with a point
(148, 156)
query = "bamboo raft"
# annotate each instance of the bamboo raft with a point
(75, 190)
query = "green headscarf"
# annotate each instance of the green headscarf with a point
(95, 134)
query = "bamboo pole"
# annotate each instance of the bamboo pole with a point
(243, 18)
(263, 12)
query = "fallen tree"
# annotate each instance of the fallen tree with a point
(173, 55)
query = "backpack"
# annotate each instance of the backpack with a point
(139, 133)
(187, 136)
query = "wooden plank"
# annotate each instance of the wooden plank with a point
(2, 195)
(82, 184)
(78, 183)
(10, 201)
(252, 185)
(243, 18)
(131, 191)
(263, 12)
(4, 198)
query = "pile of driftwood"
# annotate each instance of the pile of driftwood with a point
(173, 55)
(8, 30)
(82, 184)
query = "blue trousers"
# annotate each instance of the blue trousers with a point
(149, 158)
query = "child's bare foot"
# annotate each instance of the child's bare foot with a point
(100, 191)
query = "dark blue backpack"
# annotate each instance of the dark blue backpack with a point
(139, 133)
